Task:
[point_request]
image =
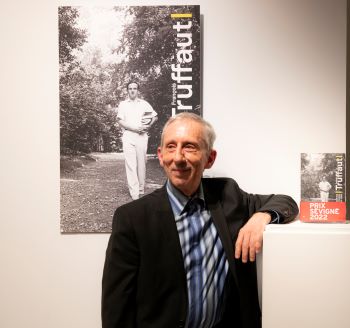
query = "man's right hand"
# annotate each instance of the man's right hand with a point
(250, 237)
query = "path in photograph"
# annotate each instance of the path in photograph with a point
(91, 193)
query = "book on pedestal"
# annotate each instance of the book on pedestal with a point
(323, 187)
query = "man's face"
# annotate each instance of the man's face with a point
(184, 155)
(132, 90)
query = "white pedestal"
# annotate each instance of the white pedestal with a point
(306, 276)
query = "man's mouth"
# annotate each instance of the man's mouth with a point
(181, 170)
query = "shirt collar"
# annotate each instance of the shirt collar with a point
(178, 200)
(135, 100)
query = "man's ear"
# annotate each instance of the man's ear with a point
(211, 159)
(160, 156)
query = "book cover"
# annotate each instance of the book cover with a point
(323, 187)
(101, 50)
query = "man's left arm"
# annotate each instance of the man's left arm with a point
(153, 119)
(265, 209)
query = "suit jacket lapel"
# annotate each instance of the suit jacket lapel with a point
(219, 219)
(170, 234)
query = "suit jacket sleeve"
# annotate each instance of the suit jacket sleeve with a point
(120, 275)
(284, 205)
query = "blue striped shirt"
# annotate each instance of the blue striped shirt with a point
(205, 261)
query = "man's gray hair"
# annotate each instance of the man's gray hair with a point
(209, 133)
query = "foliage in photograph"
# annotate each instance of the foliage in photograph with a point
(90, 88)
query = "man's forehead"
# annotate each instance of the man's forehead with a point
(185, 130)
(185, 124)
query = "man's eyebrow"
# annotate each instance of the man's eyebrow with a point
(166, 142)
(185, 142)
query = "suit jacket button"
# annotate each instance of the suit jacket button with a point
(181, 323)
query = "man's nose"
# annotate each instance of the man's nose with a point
(179, 155)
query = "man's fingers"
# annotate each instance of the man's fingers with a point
(238, 246)
(242, 247)
(245, 247)
(252, 251)
(258, 246)
(250, 237)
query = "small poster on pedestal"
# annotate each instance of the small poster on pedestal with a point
(323, 187)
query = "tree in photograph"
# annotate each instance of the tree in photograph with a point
(308, 179)
(70, 36)
(86, 123)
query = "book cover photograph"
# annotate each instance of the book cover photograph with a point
(123, 71)
(323, 187)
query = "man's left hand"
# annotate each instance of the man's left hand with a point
(250, 237)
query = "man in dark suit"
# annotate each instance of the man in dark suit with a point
(183, 256)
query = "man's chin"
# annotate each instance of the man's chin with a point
(181, 183)
(181, 177)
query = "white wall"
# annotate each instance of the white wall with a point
(274, 86)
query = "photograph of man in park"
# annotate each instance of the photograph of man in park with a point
(135, 116)
(320, 179)
(102, 50)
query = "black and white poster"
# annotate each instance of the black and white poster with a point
(123, 71)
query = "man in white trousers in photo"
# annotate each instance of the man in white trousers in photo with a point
(324, 187)
(135, 116)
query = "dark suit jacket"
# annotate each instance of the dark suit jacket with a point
(144, 282)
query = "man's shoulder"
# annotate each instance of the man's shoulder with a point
(218, 182)
(122, 104)
(148, 202)
(219, 187)
(143, 101)
(146, 104)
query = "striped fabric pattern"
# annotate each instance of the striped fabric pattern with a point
(205, 262)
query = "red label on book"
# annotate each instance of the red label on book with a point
(322, 211)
